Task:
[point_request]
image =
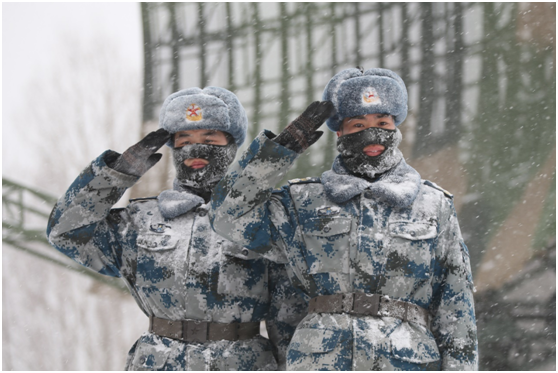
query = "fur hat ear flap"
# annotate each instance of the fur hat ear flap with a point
(211, 108)
(354, 92)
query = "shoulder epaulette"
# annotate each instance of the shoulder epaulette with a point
(435, 186)
(142, 199)
(306, 180)
(277, 190)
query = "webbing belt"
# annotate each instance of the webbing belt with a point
(369, 305)
(192, 331)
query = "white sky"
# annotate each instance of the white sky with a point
(31, 41)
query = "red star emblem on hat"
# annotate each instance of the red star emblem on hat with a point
(193, 113)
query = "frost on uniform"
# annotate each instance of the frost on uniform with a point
(380, 254)
(205, 296)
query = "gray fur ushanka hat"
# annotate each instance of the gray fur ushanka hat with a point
(373, 91)
(211, 108)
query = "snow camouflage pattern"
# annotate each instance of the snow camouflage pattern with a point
(398, 237)
(176, 269)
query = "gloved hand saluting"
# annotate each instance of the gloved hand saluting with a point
(141, 157)
(302, 132)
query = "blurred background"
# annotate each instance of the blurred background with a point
(81, 78)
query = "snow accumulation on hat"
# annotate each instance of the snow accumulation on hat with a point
(211, 108)
(354, 92)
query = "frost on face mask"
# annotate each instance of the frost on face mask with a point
(351, 148)
(204, 179)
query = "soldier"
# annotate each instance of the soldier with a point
(205, 296)
(377, 250)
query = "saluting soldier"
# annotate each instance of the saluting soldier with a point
(205, 296)
(377, 250)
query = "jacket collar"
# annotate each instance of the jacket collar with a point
(398, 187)
(177, 201)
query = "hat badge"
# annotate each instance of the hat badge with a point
(370, 96)
(193, 113)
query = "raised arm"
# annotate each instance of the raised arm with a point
(83, 224)
(242, 203)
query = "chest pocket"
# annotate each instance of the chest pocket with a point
(410, 248)
(242, 272)
(327, 244)
(158, 260)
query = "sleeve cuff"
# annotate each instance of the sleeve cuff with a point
(263, 146)
(119, 179)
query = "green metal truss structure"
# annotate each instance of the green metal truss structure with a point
(277, 57)
(474, 81)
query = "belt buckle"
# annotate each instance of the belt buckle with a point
(366, 304)
(195, 331)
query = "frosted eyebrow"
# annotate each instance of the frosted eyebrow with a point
(357, 117)
(210, 133)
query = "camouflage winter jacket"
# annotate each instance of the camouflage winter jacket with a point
(397, 237)
(176, 269)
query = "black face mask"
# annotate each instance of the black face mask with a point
(351, 146)
(204, 179)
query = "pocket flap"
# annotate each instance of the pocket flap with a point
(412, 231)
(413, 345)
(315, 340)
(326, 227)
(150, 354)
(238, 251)
(157, 242)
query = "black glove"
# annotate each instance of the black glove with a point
(302, 132)
(141, 157)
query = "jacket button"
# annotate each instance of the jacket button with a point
(202, 213)
(413, 234)
(327, 229)
(142, 360)
(244, 252)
